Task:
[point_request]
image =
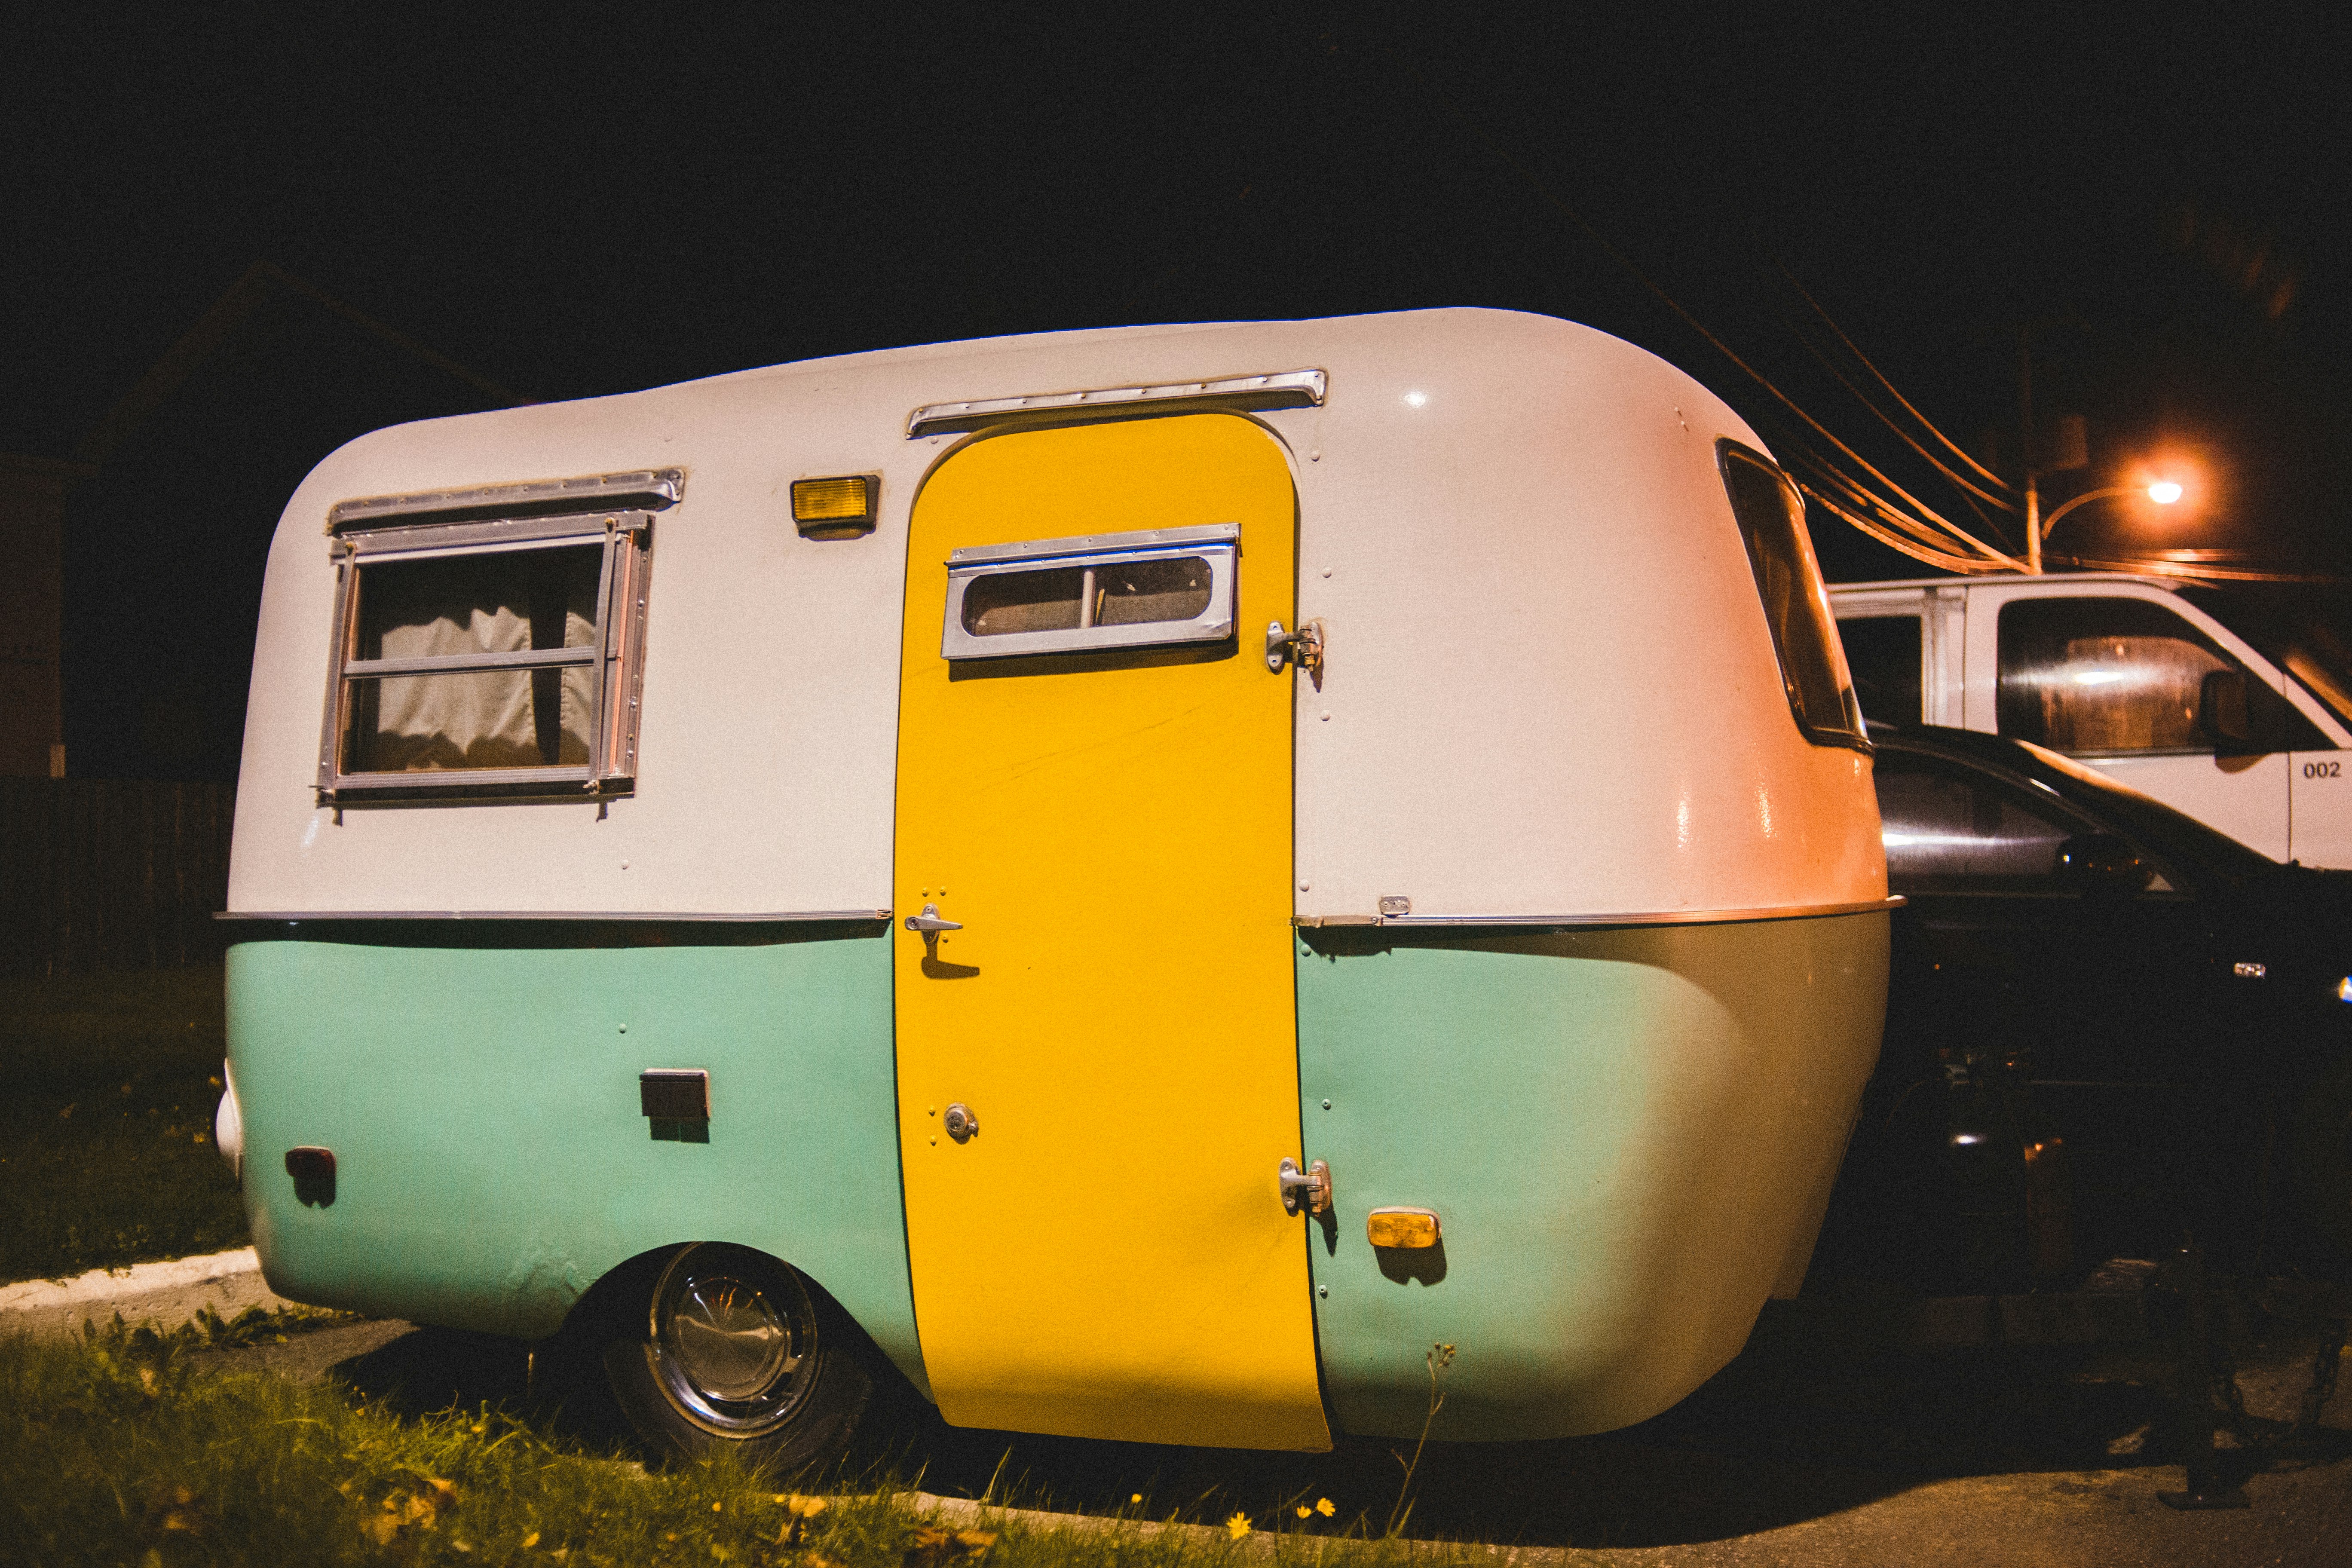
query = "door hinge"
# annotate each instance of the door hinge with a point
(1303, 647)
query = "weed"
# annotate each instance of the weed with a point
(1439, 1358)
(262, 1325)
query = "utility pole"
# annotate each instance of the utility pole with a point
(2025, 448)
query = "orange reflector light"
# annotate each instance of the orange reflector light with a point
(833, 509)
(1402, 1228)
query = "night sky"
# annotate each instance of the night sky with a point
(614, 198)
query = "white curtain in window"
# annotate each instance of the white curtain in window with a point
(480, 719)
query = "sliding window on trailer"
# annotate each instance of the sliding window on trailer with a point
(489, 642)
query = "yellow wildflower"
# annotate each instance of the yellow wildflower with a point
(1323, 1506)
(1237, 1526)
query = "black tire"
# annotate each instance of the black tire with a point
(732, 1349)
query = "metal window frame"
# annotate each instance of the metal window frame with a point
(1849, 731)
(1218, 543)
(410, 528)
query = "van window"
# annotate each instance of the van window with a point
(2296, 626)
(1772, 517)
(494, 655)
(2107, 675)
(1883, 652)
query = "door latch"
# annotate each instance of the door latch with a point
(961, 1124)
(1303, 647)
(1310, 1187)
(929, 923)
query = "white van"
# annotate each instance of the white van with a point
(2139, 676)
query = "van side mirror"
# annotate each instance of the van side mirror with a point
(2221, 711)
(2103, 863)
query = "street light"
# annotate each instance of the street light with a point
(2163, 492)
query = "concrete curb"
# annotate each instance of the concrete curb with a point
(965, 1513)
(164, 1294)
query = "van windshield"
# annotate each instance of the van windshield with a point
(2304, 630)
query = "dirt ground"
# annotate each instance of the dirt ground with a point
(1803, 1451)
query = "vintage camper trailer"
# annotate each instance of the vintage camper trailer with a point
(1145, 876)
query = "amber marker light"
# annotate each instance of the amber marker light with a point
(840, 508)
(1401, 1228)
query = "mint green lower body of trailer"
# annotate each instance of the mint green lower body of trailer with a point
(492, 1157)
(1629, 1135)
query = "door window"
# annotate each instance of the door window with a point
(1883, 652)
(1144, 589)
(2118, 677)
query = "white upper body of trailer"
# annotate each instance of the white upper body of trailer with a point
(1550, 692)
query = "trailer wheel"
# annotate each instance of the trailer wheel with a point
(734, 1350)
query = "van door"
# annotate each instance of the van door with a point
(2120, 679)
(1097, 1055)
(2320, 831)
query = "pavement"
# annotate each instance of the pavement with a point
(1805, 1451)
(164, 1294)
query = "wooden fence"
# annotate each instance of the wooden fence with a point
(99, 874)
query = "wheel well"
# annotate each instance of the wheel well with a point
(616, 1304)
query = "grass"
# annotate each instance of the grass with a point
(123, 1448)
(106, 1142)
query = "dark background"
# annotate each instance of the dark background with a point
(578, 201)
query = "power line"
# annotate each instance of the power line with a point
(1929, 425)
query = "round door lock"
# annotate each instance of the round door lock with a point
(961, 1124)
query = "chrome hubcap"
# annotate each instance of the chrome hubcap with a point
(734, 1339)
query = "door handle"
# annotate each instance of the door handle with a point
(928, 921)
(1310, 1187)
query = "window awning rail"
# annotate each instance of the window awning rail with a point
(1286, 389)
(419, 540)
(647, 490)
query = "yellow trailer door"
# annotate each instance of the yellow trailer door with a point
(1104, 825)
